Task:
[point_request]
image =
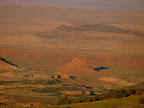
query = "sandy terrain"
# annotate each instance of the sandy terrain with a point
(116, 81)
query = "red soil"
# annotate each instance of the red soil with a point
(2, 63)
(6, 66)
(7, 74)
(64, 76)
(124, 61)
(26, 54)
(20, 52)
(77, 64)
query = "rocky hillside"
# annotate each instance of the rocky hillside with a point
(7, 66)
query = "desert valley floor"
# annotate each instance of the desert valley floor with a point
(46, 52)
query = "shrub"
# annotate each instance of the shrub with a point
(141, 101)
(131, 91)
(89, 100)
(139, 92)
(96, 98)
(101, 98)
(116, 93)
(31, 105)
(65, 99)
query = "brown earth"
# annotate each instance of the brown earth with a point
(29, 104)
(76, 92)
(72, 92)
(7, 74)
(11, 100)
(116, 81)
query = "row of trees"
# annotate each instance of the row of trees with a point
(111, 93)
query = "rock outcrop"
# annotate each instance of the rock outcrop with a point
(78, 64)
(7, 66)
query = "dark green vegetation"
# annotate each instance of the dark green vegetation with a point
(111, 99)
(54, 90)
(110, 94)
(42, 82)
(37, 81)
(36, 90)
(65, 99)
(127, 102)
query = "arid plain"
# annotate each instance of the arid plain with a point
(46, 52)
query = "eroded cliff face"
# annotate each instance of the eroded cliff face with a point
(78, 64)
(7, 66)
(8, 70)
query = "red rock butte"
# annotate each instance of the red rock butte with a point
(78, 64)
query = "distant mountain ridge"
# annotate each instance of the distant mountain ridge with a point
(100, 28)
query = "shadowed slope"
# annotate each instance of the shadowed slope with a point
(8, 66)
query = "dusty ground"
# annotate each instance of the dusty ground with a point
(43, 40)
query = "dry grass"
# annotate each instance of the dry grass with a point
(116, 81)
